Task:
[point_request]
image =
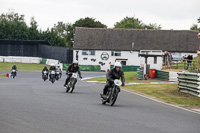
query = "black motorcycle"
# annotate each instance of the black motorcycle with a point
(111, 95)
(13, 73)
(71, 83)
(52, 76)
(57, 76)
(45, 75)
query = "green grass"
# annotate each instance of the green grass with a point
(168, 93)
(21, 66)
(2, 75)
(130, 77)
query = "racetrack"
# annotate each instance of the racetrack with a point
(30, 105)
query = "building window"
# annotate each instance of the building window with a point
(88, 52)
(116, 53)
(155, 60)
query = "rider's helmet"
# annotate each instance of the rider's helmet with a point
(75, 62)
(118, 64)
(198, 35)
(45, 67)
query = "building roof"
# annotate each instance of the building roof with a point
(135, 39)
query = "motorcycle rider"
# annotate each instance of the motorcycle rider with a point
(114, 73)
(52, 68)
(14, 67)
(59, 69)
(73, 68)
(45, 69)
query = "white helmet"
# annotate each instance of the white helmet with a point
(75, 62)
(118, 64)
(198, 34)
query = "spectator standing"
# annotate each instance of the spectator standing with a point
(189, 61)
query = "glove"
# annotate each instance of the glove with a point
(123, 84)
(81, 77)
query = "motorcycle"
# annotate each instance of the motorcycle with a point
(60, 74)
(111, 95)
(71, 83)
(13, 73)
(57, 76)
(52, 76)
(45, 75)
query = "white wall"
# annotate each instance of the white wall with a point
(132, 58)
(20, 59)
(178, 55)
(150, 60)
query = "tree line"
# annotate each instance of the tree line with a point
(14, 27)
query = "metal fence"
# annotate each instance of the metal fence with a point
(184, 65)
(59, 53)
(35, 49)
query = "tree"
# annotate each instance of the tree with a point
(83, 22)
(13, 26)
(195, 26)
(132, 22)
(34, 34)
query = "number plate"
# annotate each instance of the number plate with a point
(74, 75)
(52, 72)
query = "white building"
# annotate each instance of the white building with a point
(97, 46)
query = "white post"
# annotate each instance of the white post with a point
(145, 68)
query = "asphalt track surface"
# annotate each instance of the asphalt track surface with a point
(30, 105)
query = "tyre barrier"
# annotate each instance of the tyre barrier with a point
(189, 83)
(162, 75)
(139, 74)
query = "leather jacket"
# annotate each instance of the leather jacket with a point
(113, 74)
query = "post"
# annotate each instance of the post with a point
(198, 61)
(145, 66)
(167, 61)
(198, 58)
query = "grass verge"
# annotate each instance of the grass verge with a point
(21, 66)
(2, 75)
(168, 93)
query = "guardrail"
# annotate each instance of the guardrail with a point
(189, 83)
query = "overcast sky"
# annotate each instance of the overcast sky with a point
(171, 14)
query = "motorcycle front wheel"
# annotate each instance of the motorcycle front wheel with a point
(113, 98)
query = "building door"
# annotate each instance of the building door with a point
(123, 62)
